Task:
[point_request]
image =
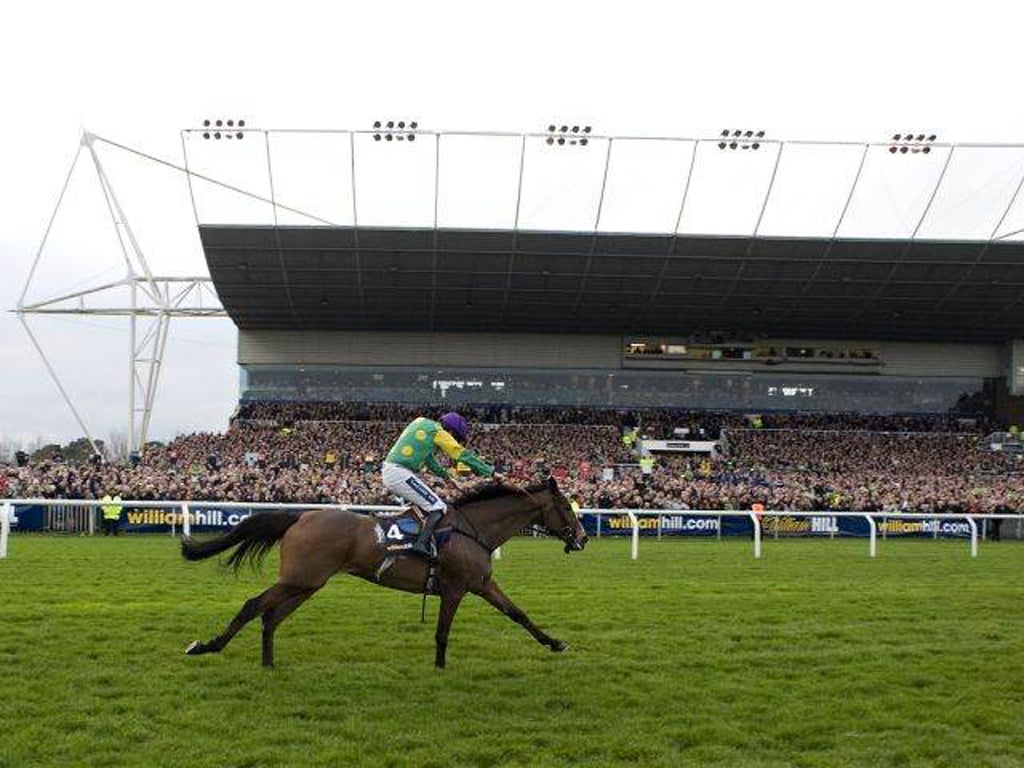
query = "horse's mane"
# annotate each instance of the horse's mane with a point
(494, 491)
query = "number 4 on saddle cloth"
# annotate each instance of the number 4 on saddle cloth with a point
(397, 531)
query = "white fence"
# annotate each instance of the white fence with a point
(85, 522)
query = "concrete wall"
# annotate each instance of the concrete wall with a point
(510, 350)
(518, 350)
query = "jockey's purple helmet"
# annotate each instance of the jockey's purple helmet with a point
(457, 425)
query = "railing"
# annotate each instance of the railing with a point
(186, 515)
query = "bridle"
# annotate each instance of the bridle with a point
(566, 535)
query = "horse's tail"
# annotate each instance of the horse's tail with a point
(254, 537)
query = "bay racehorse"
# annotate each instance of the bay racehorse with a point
(318, 543)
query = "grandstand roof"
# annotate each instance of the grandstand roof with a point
(366, 278)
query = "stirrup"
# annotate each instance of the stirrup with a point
(424, 550)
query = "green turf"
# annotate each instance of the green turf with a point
(694, 655)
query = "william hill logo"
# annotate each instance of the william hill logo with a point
(789, 524)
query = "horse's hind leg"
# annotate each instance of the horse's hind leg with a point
(275, 614)
(252, 608)
(493, 595)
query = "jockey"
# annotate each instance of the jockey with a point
(414, 449)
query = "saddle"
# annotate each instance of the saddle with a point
(396, 533)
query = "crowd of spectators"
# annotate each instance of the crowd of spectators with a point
(652, 422)
(331, 452)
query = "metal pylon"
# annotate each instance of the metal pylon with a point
(153, 302)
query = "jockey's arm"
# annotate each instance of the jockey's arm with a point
(435, 467)
(444, 440)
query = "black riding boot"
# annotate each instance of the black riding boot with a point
(422, 544)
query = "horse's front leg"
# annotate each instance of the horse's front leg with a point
(450, 599)
(493, 595)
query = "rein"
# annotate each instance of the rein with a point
(474, 534)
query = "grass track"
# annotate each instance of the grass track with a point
(694, 655)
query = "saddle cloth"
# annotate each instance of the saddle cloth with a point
(396, 531)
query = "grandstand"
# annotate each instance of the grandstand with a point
(822, 294)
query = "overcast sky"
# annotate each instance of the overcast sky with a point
(854, 71)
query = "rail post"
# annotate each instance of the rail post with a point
(873, 535)
(6, 519)
(635, 546)
(974, 535)
(186, 526)
(757, 534)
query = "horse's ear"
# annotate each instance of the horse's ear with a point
(552, 485)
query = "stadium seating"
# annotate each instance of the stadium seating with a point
(326, 452)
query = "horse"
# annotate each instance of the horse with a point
(318, 543)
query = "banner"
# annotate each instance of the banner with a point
(209, 517)
(203, 517)
(668, 524)
(706, 524)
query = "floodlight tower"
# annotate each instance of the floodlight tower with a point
(153, 301)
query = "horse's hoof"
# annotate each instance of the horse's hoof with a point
(558, 646)
(194, 648)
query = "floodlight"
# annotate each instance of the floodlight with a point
(391, 134)
(231, 123)
(217, 134)
(412, 137)
(744, 134)
(567, 134)
(241, 123)
(239, 135)
(220, 123)
(207, 134)
(912, 143)
(206, 123)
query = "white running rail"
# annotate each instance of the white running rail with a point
(186, 515)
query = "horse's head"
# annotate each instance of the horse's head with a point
(558, 518)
